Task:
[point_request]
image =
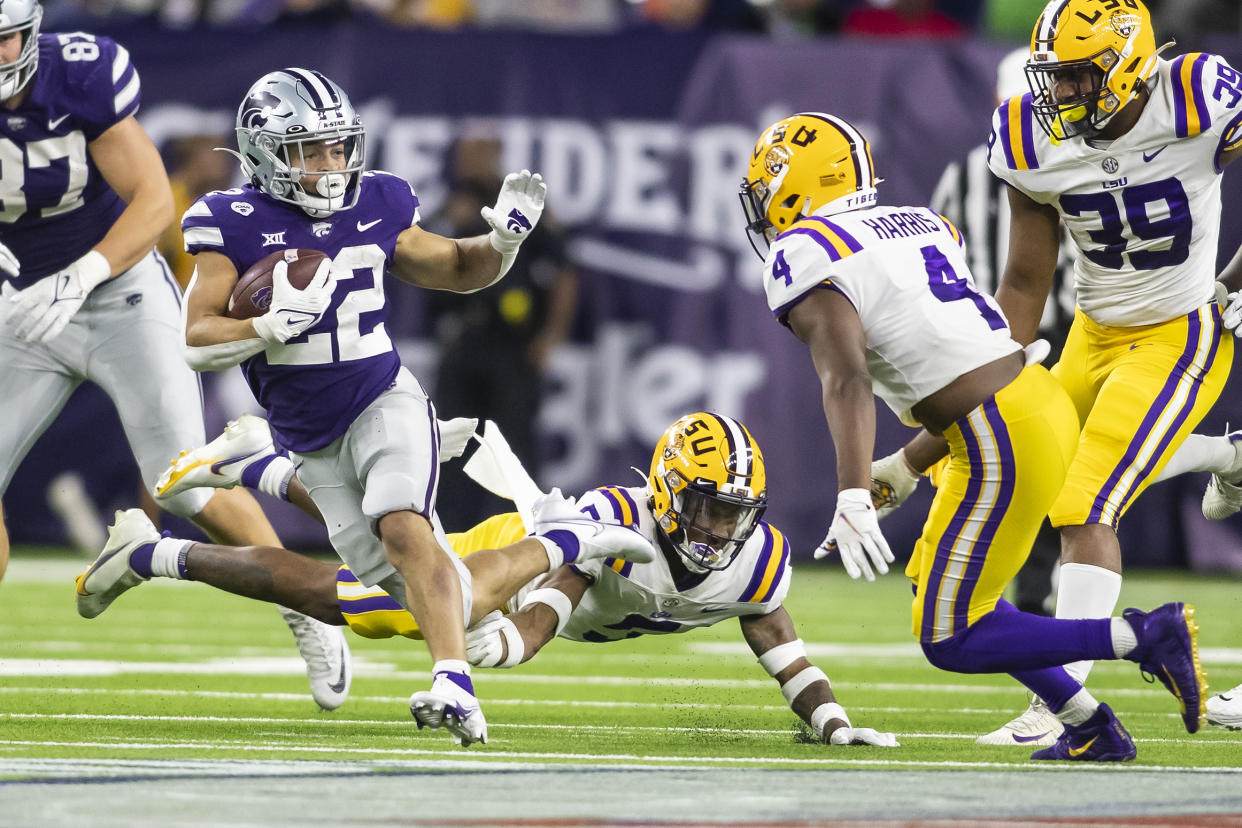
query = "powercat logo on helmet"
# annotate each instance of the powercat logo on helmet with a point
(258, 109)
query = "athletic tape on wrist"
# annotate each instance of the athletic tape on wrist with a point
(554, 598)
(826, 712)
(801, 681)
(782, 655)
(508, 252)
(514, 644)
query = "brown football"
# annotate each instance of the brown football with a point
(252, 295)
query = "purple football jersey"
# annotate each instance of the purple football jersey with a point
(317, 383)
(54, 203)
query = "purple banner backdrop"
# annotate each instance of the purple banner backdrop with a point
(643, 140)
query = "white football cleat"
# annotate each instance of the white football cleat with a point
(328, 663)
(111, 574)
(1223, 495)
(220, 463)
(452, 707)
(1225, 709)
(1036, 726)
(553, 512)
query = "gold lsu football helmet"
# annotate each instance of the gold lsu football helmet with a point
(1089, 58)
(708, 488)
(807, 163)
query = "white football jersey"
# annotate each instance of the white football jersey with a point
(1143, 210)
(904, 270)
(630, 599)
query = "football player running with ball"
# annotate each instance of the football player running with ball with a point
(320, 360)
(87, 297)
(701, 508)
(884, 300)
(1126, 149)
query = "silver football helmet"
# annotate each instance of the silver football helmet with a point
(21, 16)
(281, 113)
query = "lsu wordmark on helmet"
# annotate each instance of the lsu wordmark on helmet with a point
(289, 116)
(809, 163)
(708, 488)
(1089, 58)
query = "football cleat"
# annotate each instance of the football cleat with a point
(1225, 709)
(450, 704)
(1168, 649)
(554, 513)
(111, 574)
(324, 649)
(220, 463)
(1037, 726)
(1223, 495)
(1100, 738)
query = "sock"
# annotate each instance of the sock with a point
(1052, 684)
(456, 671)
(1124, 639)
(1199, 453)
(561, 546)
(165, 558)
(1080, 707)
(1008, 641)
(270, 475)
(1086, 591)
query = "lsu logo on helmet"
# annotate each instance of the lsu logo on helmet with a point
(1089, 58)
(708, 488)
(809, 163)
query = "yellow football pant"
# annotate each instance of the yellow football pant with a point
(1007, 461)
(1138, 392)
(373, 613)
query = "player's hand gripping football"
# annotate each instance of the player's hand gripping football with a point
(855, 533)
(44, 309)
(517, 210)
(892, 481)
(293, 311)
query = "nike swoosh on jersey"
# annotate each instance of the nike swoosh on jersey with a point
(368, 225)
(57, 122)
(1079, 751)
(1149, 156)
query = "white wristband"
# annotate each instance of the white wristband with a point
(782, 655)
(514, 644)
(824, 713)
(93, 269)
(554, 598)
(801, 681)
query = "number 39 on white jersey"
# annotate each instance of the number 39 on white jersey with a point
(903, 270)
(1144, 210)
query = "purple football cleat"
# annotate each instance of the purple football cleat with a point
(1099, 739)
(1168, 649)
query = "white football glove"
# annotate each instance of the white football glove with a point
(293, 311)
(44, 309)
(855, 533)
(554, 512)
(1231, 316)
(494, 642)
(8, 262)
(518, 208)
(862, 736)
(892, 481)
(455, 435)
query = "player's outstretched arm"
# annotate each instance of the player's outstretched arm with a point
(1034, 246)
(805, 687)
(212, 341)
(828, 323)
(509, 640)
(470, 264)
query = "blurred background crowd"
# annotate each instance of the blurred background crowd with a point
(1185, 20)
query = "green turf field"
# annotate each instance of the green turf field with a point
(180, 673)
